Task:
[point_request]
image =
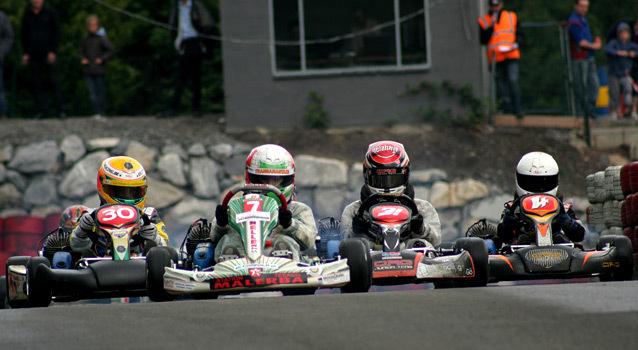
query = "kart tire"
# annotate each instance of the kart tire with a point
(360, 263)
(3, 293)
(15, 260)
(38, 292)
(156, 260)
(625, 257)
(478, 251)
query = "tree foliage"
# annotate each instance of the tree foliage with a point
(139, 78)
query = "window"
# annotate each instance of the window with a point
(335, 36)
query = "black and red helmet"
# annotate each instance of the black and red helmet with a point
(386, 167)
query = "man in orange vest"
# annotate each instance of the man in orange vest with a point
(501, 31)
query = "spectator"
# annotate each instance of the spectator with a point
(582, 48)
(6, 40)
(190, 18)
(41, 34)
(94, 51)
(501, 31)
(621, 53)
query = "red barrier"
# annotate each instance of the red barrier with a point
(3, 259)
(22, 233)
(51, 222)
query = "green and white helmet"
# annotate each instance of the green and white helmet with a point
(273, 165)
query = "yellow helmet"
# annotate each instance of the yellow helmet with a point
(122, 180)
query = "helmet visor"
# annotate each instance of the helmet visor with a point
(536, 184)
(125, 195)
(277, 181)
(387, 180)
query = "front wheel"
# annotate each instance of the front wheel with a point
(157, 260)
(15, 298)
(360, 263)
(38, 290)
(624, 252)
(478, 251)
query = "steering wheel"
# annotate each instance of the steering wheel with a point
(387, 198)
(261, 188)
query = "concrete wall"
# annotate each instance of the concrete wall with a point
(255, 97)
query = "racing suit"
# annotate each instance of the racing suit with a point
(430, 228)
(299, 236)
(83, 236)
(510, 228)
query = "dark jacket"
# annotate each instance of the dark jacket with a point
(200, 17)
(40, 33)
(6, 36)
(95, 46)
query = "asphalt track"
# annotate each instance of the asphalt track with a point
(539, 316)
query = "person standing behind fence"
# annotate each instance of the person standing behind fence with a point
(582, 48)
(621, 53)
(94, 51)
(40, 36)
(501, 31)
(6, 41)
(189, 18)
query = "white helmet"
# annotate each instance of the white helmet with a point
(537, 172)
(272, 164)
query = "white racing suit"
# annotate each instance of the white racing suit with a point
(299, 236)
(155, 231)
(431, 224)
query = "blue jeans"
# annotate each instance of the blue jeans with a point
(97, 91)
(508, 87)
(3, 100)
(585, 86)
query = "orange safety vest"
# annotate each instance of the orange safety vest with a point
(503, 38)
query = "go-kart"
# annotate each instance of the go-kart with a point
(35, 281)
(396, 260)
(543, 258)
(253, 215)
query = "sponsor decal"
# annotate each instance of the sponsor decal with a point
(120, 249)
(254, 238)
(252, 216)
(177, 285)
(395, 264)
(385, 150)
(540, 205)
(255, 272)
(257, 281)
(546, 258)
(391, 255)
(199, 277)
(314, 271)
(335, 278)
(611, 264)
(273, 171)
(262, 266)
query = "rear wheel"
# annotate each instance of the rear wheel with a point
(625, 257)
(15, 260)
(157, 260)
(360, 263)
(38, 291)
(3, 292)
(478, 251)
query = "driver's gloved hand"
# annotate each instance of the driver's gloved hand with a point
(359, 225)
(87, 223)
(566, 222)
(221, 215)
(416, 225)
(285, 218)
